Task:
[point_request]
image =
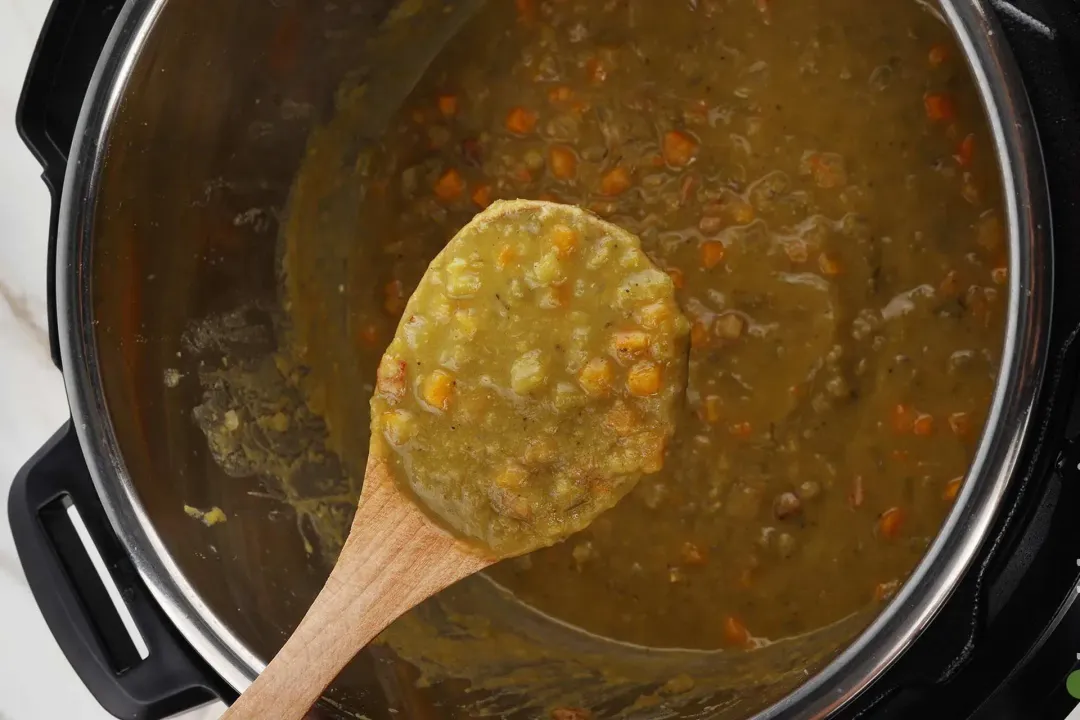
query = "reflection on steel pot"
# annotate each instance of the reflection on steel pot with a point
(218, 218)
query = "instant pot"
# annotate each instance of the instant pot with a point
(170, 133)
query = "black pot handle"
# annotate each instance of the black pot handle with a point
(78, 608)
(63, 62)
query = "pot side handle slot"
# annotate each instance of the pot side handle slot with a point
(101, 614)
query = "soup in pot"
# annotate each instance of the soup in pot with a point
(818, 181)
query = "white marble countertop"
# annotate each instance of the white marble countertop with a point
(35, 679)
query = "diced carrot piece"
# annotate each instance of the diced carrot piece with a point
(712, 253)
(615, 182)
(631, 342)
(939, 107)
(369, 334)
(923, 425)
(563, 162)
(505, 257)
(938, 54)
(520, 121)
(829, 266)
(678, 148)
(711, 409)
(523, 175)
(438, 389)
(643, 379)
(560, 94)
(677, 277)
(699, 334)
(742, 430)
(691, 554)
(448, 105)
(526, 9)
(960, 423)
(450, 186)
(595, 377)
(735, 633)
(952, 488)
(565, 239)
(891, 522)
(903, 419)
(481, 195)
(965, 151)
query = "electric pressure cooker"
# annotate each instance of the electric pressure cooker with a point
(165, 115)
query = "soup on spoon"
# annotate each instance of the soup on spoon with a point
(533, 379)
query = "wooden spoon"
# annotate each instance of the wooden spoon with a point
(394, 558)
(397, 555)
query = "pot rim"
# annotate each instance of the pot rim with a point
(930, 585)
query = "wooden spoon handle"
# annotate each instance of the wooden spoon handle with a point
(393, 559)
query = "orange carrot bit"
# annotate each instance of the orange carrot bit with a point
(829, 266)
(965, 151)
(522, 175)
(692, 555)
(563, 162)
(656, 160)
(938, 54)
(710, 410)
(369, 334)
(526, 9)
(560, 94)
(699, 334)
(481, 195)
(735, 633)
(615, 182)
(712, 253)
(939, 107)
(520, 121)
(742, 430)
(505, 257)
(677, 277)
(891, 522)
(903, 419)
(450, 186)
(923, 425)
(950, 285)
(448, 105)
(960, 423)
(952, 488)
(678, 148)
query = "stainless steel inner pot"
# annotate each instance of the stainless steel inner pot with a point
(188, 144)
